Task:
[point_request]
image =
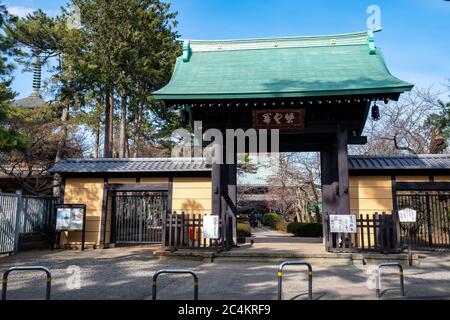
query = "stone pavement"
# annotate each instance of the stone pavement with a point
(125, 273)
(269, 240)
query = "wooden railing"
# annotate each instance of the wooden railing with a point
(375, 233)
(185, 231)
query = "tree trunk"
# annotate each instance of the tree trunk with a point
(316, 200)
(97, 141)
(123, 127)
(109, 117)
(57, 179)
(137, 130)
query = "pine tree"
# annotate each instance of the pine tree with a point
(9, 139)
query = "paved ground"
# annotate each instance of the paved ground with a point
(125, 273)
(269, 240)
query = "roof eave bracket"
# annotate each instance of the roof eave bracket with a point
(371, 41)
(186, 51)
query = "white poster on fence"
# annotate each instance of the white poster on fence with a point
(407, 215)
(342, 223)
(211, 227)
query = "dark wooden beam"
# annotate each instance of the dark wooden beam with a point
(394, 193)
(216, 189)
(104, 214)
(62, 190)
(232, 188)
(423, 186)
(139, 187)
(232, 196)
(342, 157)
(399, 172)
(224, 208)
(330, 182)
(170, 195)
(358, 140)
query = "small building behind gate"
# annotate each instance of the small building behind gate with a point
(386, 184)
(126, 199)
(135, 201)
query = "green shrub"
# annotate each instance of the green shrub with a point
(306, 230)
(243, 230)
(270, 219)
(281, 225)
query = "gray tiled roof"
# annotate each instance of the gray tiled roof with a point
(30, 102)
(131, 165)
(411, 162)
(414, 162)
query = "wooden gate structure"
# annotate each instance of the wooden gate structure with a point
(137, 217)
(379, 232)
(432, 228)
(317, 91)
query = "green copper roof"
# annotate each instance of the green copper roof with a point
(282, 67)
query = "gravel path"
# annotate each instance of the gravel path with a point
(125, 273)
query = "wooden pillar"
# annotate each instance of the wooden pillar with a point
(104, 219)
(216, 189)
(330, 180)
(232, 188)
(232, 198)
(224, 205)
(342, 156)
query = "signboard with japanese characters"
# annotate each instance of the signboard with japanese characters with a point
(70, 217)
(211, 227)
(279, 119)
(343, 223)
(407, 215)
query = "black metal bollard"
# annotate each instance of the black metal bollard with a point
(158, 273)
(297, 263)
(33, 268)
(378, 280)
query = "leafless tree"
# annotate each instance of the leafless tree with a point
(295, 187)
(30, 168)
(403, 127)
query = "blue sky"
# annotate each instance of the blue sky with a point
(415, 38)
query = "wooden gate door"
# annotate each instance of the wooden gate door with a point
(137, 217)
(432, 228)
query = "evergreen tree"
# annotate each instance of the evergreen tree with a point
(9, 139)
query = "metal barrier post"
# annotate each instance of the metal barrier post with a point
(36, 268)
(297, 263)
(158, 273)
(378, 280)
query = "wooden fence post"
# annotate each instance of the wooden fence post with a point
(18, 221)
(396, 230)
(326, 231)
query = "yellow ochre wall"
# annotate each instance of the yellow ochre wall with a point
(190, 195)
(442, 178)
(370, 194)
(87, 191)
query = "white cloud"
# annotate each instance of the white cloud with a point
(20, 11)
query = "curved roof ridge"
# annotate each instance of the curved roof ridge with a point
(290, 67)
(280, 38)
(357, 38)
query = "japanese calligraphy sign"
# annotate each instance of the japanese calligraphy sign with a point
(408, 215)
(279, 119)
(342, 223)
(211, 227)
(70, 217)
